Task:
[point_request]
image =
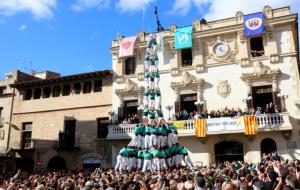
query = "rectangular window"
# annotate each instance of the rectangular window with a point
(56, 91)
(2, 89)
(186, 57)
(28, 94)
(26, 135)
(102, 127)
(257, 47)
(1, 112)
(46, 92)
(37, 93)
(98, 86)
(76, 88)
(130, 66)
(87, 87)
(66, 90)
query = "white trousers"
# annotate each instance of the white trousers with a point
(124, 164)
(141, 141)
(188, 161)
(134, 141)
(147, 165)
(147, 141)
(178, 159)
(156, 164)
(119, 162)
(151, 103)
(153, 140)
(175, 138)
(139, 163)
(170, 139)
(169, 160)
(163, 165)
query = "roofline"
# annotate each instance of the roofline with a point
(62, 79)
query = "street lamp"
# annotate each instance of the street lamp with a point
(111, 112)
(169, 108)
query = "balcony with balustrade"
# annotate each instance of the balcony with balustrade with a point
(214, 126)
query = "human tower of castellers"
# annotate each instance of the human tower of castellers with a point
(154, 146)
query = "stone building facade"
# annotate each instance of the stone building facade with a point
(249, 73)
(61, 121)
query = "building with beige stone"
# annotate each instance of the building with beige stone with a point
(61, 121)
(6, 103)
(250, 73)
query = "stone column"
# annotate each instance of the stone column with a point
(92, 86)
(32, 93)
(81, 84)
(274, 84)
(177, 96)
(42, 92)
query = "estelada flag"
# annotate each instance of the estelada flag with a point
(126, 47)
(250, 125)
(200, 127)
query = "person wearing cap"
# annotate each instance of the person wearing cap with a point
(186, 158)
(147, 161)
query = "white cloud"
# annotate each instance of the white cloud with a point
(40, 9)
(217, 9)
(23, 27)
(82, 5)
(133, 5)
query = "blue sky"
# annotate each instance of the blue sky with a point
(74, 36)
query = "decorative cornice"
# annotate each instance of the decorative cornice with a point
(257, 75)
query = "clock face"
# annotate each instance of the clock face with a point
(220, 49)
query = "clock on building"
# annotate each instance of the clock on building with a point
(220, 49)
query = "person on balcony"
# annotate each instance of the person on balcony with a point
(271, 108)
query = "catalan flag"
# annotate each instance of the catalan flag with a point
(200, 127)
(250, 125)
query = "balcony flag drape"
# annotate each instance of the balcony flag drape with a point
(179, 124)
(183, 37)
(127, 46)
(200, 127)
(248, 122)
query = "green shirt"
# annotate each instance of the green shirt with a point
(162, 154)
(140, 154)
(147, 155)
(146, 92)
(168, 151)
(152, 95)
(146, 111)
(183, 151)
(156, 74)
(124, 152)
(155, 152)
(152, 114)
(159, 112)
(173, 128)
(163, 131)
(148, 129)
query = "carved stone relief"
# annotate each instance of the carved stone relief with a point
(239, 17)
(224, 88)
(268, 11)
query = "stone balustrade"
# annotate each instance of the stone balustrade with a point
(223, 125)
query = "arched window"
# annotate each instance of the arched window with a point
(56, 162)
(268, 146)
(229, 151)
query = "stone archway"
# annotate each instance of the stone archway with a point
(229, 151)
(57, 163)
(268, 146)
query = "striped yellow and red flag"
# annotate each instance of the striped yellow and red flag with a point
(200, 127)
(250, 125)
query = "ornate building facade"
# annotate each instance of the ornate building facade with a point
(223, 68)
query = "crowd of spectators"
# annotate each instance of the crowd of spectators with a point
(225, 112)
(270, 174)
